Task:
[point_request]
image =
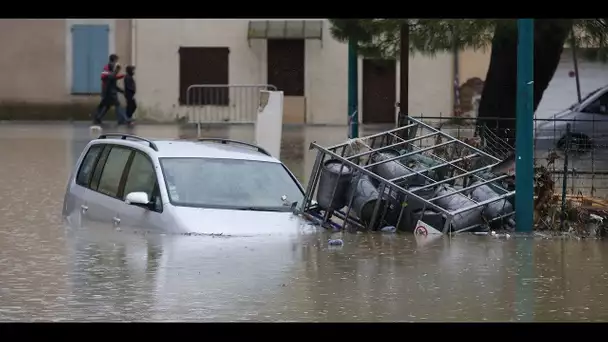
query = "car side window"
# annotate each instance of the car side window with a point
(88, 165)
(142, 177)
(109, 182)
(599, 106)
(99, 167)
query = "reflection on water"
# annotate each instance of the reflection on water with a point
(48, 273)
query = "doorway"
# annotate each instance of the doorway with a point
(379, 91)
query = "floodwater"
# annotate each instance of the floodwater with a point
(48, 274)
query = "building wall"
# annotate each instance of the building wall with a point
(474, 63)
(326, 79)
(157, 59)
(32, 60)
(157, 43)
(36, 65)
(37, 55)
(431, 80)
(326, 83)
(472, 69)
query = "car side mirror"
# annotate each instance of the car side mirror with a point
(137, 198)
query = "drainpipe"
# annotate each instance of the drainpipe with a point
(133, 42)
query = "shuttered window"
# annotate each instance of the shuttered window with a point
(203, 66)
(90, 51)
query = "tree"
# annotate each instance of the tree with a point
(380, 38)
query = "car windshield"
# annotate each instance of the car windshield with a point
(230, 184)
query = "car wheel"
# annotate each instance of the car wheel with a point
(578, 142)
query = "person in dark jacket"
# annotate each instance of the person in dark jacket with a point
(110, 97)
(130, 89)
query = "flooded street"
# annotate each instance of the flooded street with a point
(48, 273)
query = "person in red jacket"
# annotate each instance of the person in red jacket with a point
(108, 69)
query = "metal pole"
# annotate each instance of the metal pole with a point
(353, 113)
(578, 81)
(404, 72)
(524, 164)
(565, 176)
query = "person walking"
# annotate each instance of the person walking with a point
(110, 97)
(107, 69)
(130, 90)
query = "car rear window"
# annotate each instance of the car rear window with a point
(229, 183)
(88, 165)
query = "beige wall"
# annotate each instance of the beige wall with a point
(157, 43)
(474, 63)
(32, 60)
(36, 58)
(326, 69)
(431, 80)
(473, 66)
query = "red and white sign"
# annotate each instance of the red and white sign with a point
(424, 229)
(425, 233)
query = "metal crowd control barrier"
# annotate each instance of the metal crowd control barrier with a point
(223, 103)
(451, 168)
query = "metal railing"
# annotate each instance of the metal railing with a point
(223, 103)
(587, 162)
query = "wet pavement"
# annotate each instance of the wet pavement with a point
(47, 273)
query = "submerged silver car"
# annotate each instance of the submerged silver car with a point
(209, 186)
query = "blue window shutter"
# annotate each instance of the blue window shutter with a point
(80, 58)
(90, 51)
(98, 55)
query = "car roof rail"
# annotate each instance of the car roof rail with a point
(230, 141)
(124, 136)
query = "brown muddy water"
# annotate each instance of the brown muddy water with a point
(46, 274)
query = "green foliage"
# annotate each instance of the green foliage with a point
(381, 37)
(592, 36)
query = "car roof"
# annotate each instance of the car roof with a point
(206, 148)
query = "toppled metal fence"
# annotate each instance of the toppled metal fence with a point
(409, 174)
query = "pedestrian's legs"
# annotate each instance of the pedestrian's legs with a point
(102, 109)
(131, 107)
(121, 117)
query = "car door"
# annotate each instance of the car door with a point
(75, 204)
(104, 194)
(142, 177)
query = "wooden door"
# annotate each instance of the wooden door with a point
(286, 65)
(379, 90)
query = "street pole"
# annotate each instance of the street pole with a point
(524, 149)
(353, 112)
(404, 74)
(574, 59)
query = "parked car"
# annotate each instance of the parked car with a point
(209, 186)
(588, 120)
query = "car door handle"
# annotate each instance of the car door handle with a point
(116, 221)
(84, 208)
